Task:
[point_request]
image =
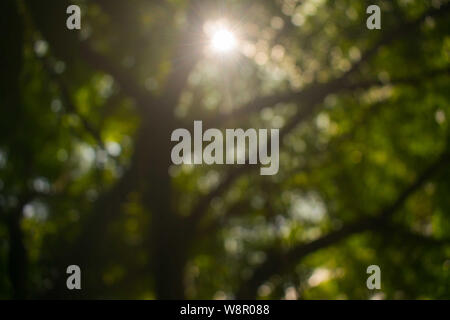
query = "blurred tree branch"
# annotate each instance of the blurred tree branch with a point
(311, 96)
(333, 86)
(240, 207)
(309, 102)
(278, 261)
(68, 102)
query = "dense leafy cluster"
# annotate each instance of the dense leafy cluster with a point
(86, 176)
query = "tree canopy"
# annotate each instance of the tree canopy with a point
(86, 176)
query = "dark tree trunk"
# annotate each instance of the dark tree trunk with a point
(11, 31)
(17, 258)
(166, 235)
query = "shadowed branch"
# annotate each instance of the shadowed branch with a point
(277, 261)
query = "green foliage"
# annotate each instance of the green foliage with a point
(85, 133)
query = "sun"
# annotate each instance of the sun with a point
(223, 40)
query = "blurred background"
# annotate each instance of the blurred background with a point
(85, 170)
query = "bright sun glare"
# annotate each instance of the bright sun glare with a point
(223, 40)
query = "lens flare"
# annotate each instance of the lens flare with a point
(223, 40)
